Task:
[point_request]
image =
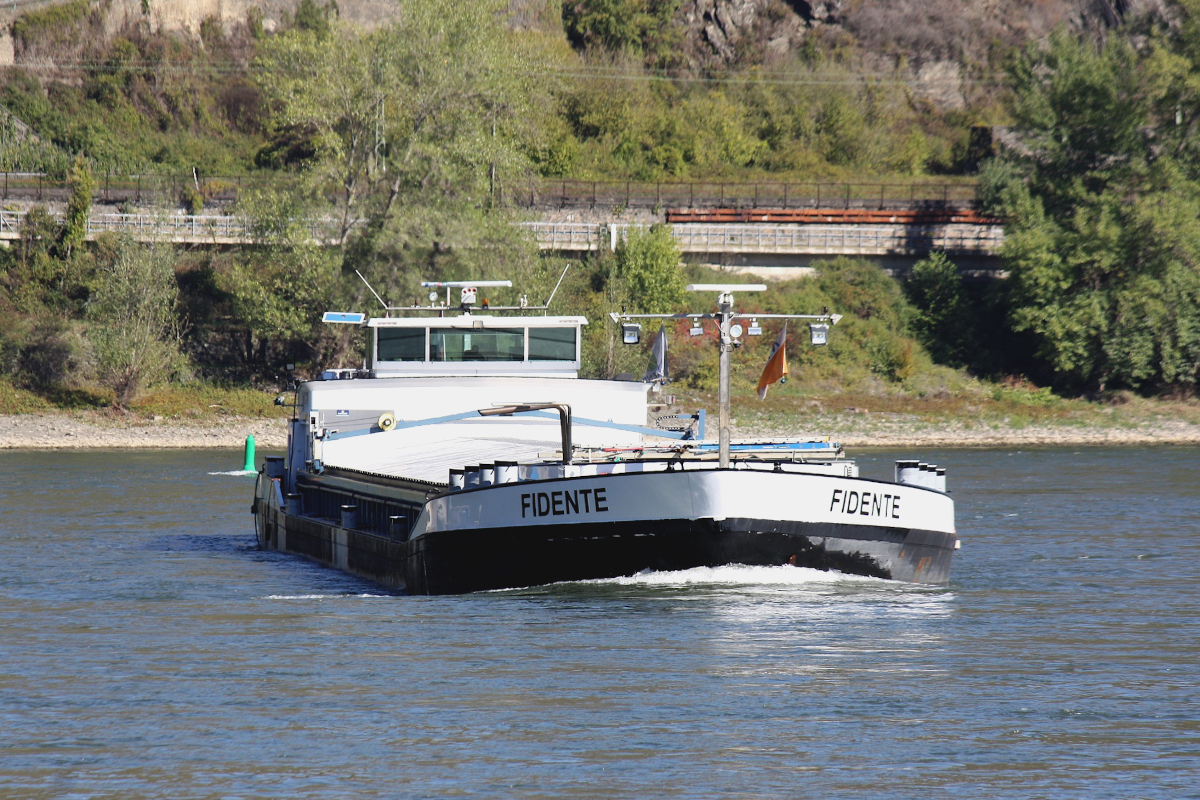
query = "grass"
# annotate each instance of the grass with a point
(200, 403)
(989, 406)
(977, 405)
(208, 402)
(14, 400)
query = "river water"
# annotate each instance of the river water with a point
(147, 649)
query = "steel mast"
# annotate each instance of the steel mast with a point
(728, 338)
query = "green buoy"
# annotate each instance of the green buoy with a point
(249, 467)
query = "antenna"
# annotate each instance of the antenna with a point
(726, 288)
(560, 280)
(462, 284)
(377, 297)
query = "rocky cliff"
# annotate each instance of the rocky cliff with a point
(718, 32)
(725, 31)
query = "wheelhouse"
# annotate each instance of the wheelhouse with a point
(476, 345)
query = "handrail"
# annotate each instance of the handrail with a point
(541, 192)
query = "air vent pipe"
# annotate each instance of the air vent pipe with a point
(906, 472)
(506, 472)
(924, 475)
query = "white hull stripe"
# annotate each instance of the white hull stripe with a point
(707, 494)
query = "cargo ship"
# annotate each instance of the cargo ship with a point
(467, 454)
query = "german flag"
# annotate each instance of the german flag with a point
(776, 368)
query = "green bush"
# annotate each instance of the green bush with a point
(648, 264)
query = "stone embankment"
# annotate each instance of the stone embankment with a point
(88, 431)
(73, 432)
(857, 429)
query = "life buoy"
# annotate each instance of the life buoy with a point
(387, 421)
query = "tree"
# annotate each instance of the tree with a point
(278, 291)
(634, 25)
(83, 185)
(942, 320)
(1103, 242)
(648, 266)
(426, 111)
(133, 327)
(311, 17)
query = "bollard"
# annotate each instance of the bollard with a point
(249, 467)
(398, 527)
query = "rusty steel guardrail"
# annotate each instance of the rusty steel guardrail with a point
(548, 193)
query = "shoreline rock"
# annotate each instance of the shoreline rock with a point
(72, 432)
(78, 432)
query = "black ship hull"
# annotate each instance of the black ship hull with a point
(455, 562)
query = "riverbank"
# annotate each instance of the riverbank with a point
(92, 430)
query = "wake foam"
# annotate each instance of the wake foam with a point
(319, 596)
(237, 472)
(734, 575)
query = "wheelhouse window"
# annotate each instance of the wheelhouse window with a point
(552, 344)
(477, 344)
(401, 344)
